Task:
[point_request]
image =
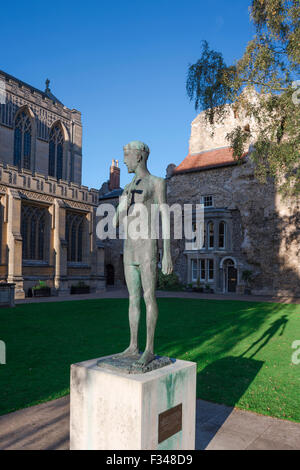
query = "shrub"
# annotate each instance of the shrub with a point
(247, 276)
(168, 281)
(40, 285)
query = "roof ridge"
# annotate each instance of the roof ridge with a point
(210, 150)
(43, 93)
(213, 158)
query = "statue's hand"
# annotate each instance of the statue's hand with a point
(167, 265)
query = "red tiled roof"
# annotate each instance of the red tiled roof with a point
(206, 160)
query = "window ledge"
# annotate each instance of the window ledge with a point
(75, 264)
(33, 262)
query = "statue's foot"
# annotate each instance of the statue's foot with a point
(130, 351)
(145, 359)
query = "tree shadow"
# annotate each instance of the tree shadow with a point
(217, 336)
(268, 335)
(203, 331)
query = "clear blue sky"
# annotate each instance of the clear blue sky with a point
(123, 64)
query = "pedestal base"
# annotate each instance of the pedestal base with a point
(130, 365)
(111, 410)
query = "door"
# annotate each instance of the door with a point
(232, 279)
(110, 275)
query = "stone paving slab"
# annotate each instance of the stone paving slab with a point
(218, 427)
(40, 427)
(123, 294)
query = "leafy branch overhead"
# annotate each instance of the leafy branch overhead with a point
(263, 85)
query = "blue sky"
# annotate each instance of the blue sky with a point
(123, 64)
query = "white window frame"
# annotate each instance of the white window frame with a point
(202, 260)
(208, 235)
(193, 263)
(208, 270)
(225, 235)
(204, 198)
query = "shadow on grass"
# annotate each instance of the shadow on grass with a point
(228, 379)
(268, 335)
(44, 339)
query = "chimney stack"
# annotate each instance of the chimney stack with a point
(114, 175)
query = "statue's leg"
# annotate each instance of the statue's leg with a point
(133, 281)
(149, 279)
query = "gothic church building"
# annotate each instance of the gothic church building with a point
(48, 218)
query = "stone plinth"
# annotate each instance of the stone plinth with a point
(7, 294)
(112, 410)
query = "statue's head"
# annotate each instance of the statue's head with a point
(135, 153)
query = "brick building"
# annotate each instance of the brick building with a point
(113, 249)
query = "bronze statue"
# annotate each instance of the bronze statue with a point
(141, 255)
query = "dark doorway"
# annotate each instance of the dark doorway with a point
(232, 279)
(110, 275)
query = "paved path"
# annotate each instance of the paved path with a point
(123, 293)
(218, 427)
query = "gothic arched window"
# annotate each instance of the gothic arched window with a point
(56, 146)
(74, 236)
(22, 141)
(33, 225)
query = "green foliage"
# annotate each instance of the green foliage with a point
(262, 87)
(168, 281)
(205, 82)
(40, 285)
(247, 276)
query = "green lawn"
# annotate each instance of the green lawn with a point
(243, 349)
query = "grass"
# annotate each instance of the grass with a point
(242, 349)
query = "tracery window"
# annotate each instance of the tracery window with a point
(22, 140)
(33, 231)
(56, 145)
(74, 236)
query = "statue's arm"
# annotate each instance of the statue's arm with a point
(167, 266)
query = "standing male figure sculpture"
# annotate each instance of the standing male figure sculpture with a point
(141, 255)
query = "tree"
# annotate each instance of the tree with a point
(270, 66)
